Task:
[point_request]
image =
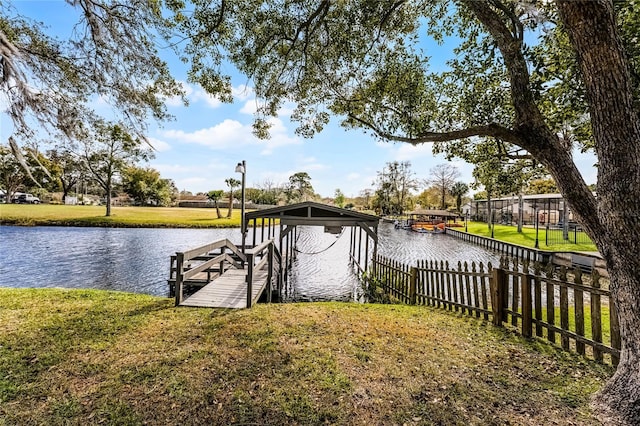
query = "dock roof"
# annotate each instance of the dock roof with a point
(312, 213)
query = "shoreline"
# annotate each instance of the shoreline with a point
(112, 224)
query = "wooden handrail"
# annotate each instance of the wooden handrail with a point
(190, 254)
(252, 254)
(182, 274)
(261, 247)
(206, 265)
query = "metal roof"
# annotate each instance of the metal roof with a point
(312, 213)
(425, 212)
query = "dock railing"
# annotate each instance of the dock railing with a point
(264, 254)
(185, 265)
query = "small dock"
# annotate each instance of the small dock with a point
(225, 277)
(221, 275)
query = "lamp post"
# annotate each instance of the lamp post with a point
(242, 168)
(537, 241)
(466, 222)
(493, 225)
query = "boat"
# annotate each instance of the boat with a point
(428, 227)
(401, 224)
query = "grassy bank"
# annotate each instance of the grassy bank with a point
(92, 357)
(173, 217)
(525, 238)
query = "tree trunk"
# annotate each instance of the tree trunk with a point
(108, 199)
(230, 203)
(520, 212)
(616, 127)
(217, 209)
(65, 190)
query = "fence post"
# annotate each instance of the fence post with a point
(222, 251)
(249, 279)
(270, 272)
(526, 305)
(179, 272)
(172, 275)
(497, 286)
(412, 285)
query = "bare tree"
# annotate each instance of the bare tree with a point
(443, 176)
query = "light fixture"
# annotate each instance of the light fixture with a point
(242, 168)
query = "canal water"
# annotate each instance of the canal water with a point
(137, 259)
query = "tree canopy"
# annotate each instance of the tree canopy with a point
(535, 77)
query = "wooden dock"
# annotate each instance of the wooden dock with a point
(225, 276)
(228, 290)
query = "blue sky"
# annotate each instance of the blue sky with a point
(200, 149)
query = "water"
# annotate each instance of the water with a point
(137, 259)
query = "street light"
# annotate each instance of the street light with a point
(537, 244)
(242, 168)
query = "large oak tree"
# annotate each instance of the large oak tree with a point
(537, 77)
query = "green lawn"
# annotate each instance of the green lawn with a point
(526, 238)
(48, 214)
(81, 357)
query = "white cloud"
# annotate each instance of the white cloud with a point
(196, 94)
(159, 145)
(277, 178)
(200, 95)
(408, 152)
(354, 176)
(286, 110)
(250, 107)
(173, 168)
(221, 136)
(316, 167)
(193, 184)
(279, 137)
(242, 92)
(233, 134)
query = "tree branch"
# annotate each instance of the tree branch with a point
(526, 111)
(490, 130)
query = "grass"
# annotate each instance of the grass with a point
(81, 357)
(174, 217)
(525, 238)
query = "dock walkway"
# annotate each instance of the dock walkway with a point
(228, 290)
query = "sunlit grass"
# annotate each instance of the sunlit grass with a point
(525, 238)
(47, 214)
(95, 357)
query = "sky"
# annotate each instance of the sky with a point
(201, 147)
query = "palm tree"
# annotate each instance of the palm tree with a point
(459, 190)
(231, 183)
(214, 196)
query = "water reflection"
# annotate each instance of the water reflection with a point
(137, 260)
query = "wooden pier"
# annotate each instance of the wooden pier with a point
(226, 277)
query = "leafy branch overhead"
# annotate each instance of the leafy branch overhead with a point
(111, 54)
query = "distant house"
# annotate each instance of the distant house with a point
(550, 208)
